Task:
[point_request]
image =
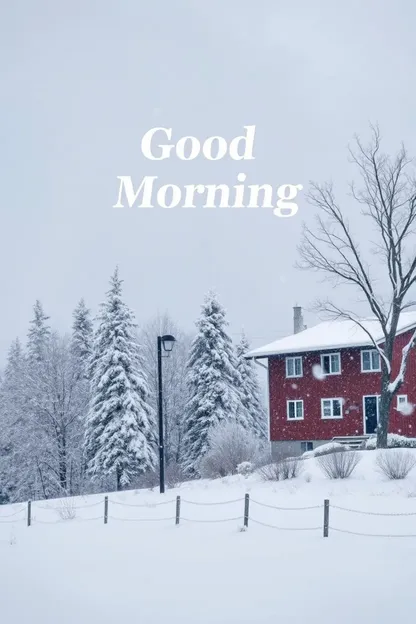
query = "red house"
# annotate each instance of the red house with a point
(324, 382)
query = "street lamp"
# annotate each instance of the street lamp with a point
(167, 341)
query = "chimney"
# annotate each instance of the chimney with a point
(298, 325)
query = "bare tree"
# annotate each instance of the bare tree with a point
(57, 406)
(387, 196)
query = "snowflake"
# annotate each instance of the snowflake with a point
(318, 373)
(406, 409)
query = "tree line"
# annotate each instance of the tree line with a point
(78, 411)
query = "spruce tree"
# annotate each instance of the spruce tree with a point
(254, 414)
(82, 334)
(120, 431)
(38, 334)
(212, 381)
(12, 429)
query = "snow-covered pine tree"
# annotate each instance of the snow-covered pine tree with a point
(120, 432)
(82, 333)
(212, 381)
(252, 405)
(12, 430)
(81, 349)
(38, 334)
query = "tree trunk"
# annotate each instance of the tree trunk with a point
(63, 477)
(384, 411)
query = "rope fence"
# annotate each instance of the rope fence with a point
(67, 509)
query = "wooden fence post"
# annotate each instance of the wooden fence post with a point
(178, 509)
(29, 513)
(326, 517)
(105, 509)
(246, 509)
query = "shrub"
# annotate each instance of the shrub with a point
(230, 445)
(281, 470)
(395, 464)
(338, 465)
(245, 468)
(393, 441)
(67, 509)
(174, 475)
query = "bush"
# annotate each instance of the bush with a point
(174, 475)
(67, 509)
(230, 445)
(393, 441)
(338, 465)
(281, 470)
(395, 464)
(245, 468)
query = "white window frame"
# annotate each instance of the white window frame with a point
(401, 396)
(329, 355)
(370, 370)
(323, 417)
(306, 444)
(294, 357)
(295, 401)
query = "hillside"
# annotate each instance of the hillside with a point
(141, 567)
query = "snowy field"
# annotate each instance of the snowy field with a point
(82, 571)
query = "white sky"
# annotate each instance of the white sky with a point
(82, 82)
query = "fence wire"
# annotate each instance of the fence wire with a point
(240, 518)
(369, 534)
(372, 513)
(273, 526)
(144, 506)
(15, 513)
(65, 503)
(142, 519)
(65, 520)
(188, 502)
(285, 508)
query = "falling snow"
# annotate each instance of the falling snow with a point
(318, 373)
(406, 409)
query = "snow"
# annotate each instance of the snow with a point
(324, 448)
(332, 335)
(80, 571)
(394, 440)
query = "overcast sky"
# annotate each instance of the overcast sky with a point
(82, 82)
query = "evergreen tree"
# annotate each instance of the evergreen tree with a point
(82, 333)
(212, 381)
(10, 418)
(253, 410)
(38, 334)
(120, 432)
(81, 349)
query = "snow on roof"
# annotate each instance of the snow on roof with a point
(332, 335)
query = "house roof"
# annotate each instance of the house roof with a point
(332, 335)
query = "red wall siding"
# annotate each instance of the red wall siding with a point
(351, 385)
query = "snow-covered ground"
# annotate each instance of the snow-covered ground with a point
(82, 571)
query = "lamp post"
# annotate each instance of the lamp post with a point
(167, 341)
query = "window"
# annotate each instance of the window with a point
(295, 410)
(331, 364)
(294, 367)
(306, 446)
(331, 408)
(370, 361)
(401, 401)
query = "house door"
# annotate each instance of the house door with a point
(370, 414)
